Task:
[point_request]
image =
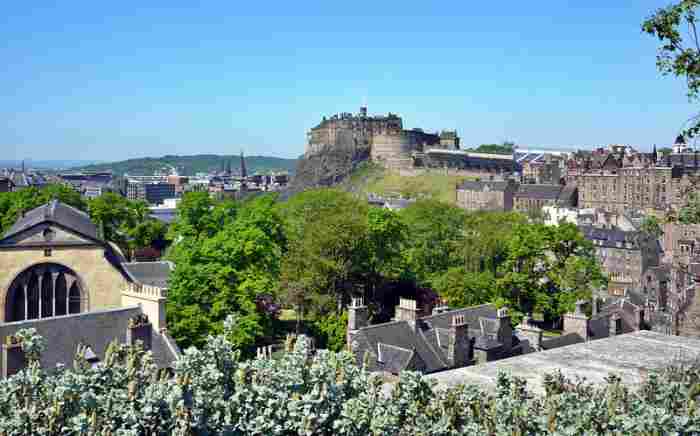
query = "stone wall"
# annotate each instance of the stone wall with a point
(101, 280)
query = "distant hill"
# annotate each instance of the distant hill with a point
(45, 164)
(190, 165)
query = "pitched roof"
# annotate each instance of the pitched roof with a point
(610, 237)
(96, 329)
(149, 273)
(479, 185)
(58, 213)
(394, 345)
(540, 192)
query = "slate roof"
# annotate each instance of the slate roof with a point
(392, 346)
(610, 237)
(58, 213)
(561, 341)
(96, 329)
(149, 273)
(539, 192)
(474, 185)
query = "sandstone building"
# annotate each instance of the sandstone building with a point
(60, 277)
(624, 256)
(486, 195)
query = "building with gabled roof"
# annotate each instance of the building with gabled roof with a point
(443, 340)
(60, 277)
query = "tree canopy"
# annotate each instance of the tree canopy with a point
(675, 27)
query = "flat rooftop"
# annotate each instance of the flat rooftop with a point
(630, 356)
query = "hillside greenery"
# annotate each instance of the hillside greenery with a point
(190, 165)
(371, 178)
(504, 148)
(211, 391)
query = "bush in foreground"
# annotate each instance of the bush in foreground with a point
(303, 393)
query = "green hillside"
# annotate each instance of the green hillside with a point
(190, 165)
(372, 178)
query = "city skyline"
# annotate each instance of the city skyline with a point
(92, 82)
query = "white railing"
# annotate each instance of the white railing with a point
(146, 290)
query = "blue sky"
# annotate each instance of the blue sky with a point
(115, 80)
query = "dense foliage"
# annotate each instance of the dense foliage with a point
(226, 255)
(675, 26)
(213, 392)
(504, 148)
(14, 204)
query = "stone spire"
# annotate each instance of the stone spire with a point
(244, 172)
(654, 154)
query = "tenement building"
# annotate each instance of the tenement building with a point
(634, 180)
(624, 256)
(507, 195)
(61, 278)
(486, 195)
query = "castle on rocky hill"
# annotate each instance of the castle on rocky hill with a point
(382, 136)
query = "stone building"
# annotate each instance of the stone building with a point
(624, 256)
(535, 197)
(443, 340)
(486, 195)
(60, 277)
(645, 181)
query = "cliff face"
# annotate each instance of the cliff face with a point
(328, 167)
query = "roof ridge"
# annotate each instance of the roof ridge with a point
(383, 324)
(454, 310)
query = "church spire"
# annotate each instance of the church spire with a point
(654, 154)
(244, 172)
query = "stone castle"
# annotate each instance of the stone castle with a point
(382, 136)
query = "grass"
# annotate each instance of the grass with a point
(371, 178)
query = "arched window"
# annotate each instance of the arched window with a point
(44, 291)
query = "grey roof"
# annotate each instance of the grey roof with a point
(611, 237)
(58, 213)
(479, 185)
(400, 334)
(630, 356)
(149, 273)
(393, 359)
(399, 344)
(96, 329)
(561, 341)
(539, 192)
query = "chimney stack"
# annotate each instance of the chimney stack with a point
(615, 324)
(578, 321)
(407, 310)
(460, 348)
(139, 329)
(13, 358)
(531, 332)
(358, 316)
(505, 330)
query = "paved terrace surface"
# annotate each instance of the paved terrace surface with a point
(629, 356)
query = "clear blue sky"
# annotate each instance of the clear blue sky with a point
(114, 80)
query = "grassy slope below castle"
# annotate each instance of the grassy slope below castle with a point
(190, 165)
(372, 178)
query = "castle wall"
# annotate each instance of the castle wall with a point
(393, 150)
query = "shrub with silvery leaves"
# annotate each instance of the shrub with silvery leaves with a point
(212, 391)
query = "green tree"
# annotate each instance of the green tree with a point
(221, 272)
(547, 269)
(327, 231)
(14, 204)
(651, 226)
(675, 26)
(690, 213)
(463, 289)
(436, 234)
